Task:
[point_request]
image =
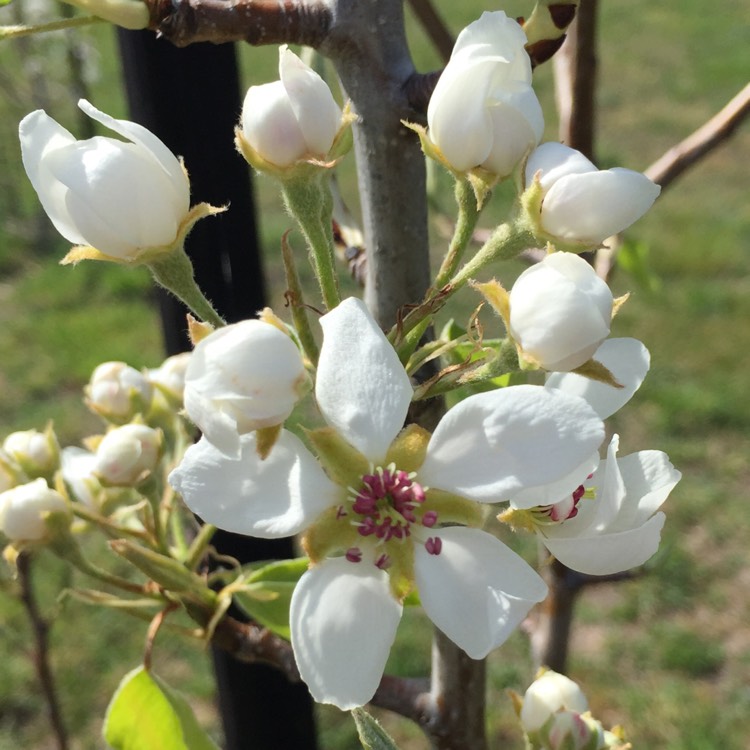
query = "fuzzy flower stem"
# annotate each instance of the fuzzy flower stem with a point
(16, 31)
(468, 214)
(175, 273)
(310, 203)
(296, 303)
(507, 241)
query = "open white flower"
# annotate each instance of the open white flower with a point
(381, 504)
(293, 118)
(483, 111)
(240, 378)
(120, 197)
(582, 204)
(621, 528)
(560, 312)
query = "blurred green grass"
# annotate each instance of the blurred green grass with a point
(666, 655)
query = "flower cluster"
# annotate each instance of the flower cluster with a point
(386, 510)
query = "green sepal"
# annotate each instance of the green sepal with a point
(167, 572)
(455, 509)
(371, 733)
(595, 370)
(327, 535)
(409, 449)
(343, 463)
(267, 593)
(145, 714)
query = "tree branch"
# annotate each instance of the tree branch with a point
(434, 27)
(40, 630)
(184, 22)
(692, 149)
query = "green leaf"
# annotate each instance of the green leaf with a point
(634, 258)
(5, 2)
(145, 714)
(371, 733)
(268, 593)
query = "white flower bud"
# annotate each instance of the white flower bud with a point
(119, 197)
(78, 466)
(483, 111)
(127, 454)
(169, 377)
(560, 312)
(117, 392)
(549, 693)
(582, 204)
(293, 118)
(241, 378)
(37, 453)
(23, 508)
(569, 730)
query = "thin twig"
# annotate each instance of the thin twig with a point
(40, 630)
(705, 139)
(434, 27)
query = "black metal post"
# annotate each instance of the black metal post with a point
(190, 98)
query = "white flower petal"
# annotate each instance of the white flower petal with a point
(608, 553)
(361, 387)
(477, 591)
(218, 428)
(270, 498)
(311, 101)
(492, 445)
(556, 161)
(179, 185)
(343, 620)
(547, 695)
(554, 492)
(40, 136)
(650, 476)
(459, 120)
(593, 206)
(627, 359)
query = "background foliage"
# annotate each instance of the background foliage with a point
(667, 655)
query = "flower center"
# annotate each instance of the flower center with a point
(384, 507)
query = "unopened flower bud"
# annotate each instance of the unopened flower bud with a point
(78, 466)
(169, 377)
(126, 455)
(549, 693)
(570, 730)
(560, 312)
(582, 204)
(483, 112)
(119, 197)
(37, 453)
(243, 377)
(24, 508)
(292, 119)
(117, 392)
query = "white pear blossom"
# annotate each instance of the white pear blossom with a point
(293, 118)
(23, 509)
(560, 312)
(549, 693)
(240, 378)
(127, 454)
(120, 197)
(483, 111)
(117, 392)
(621, 528)
(582, 204)
(382, 505)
